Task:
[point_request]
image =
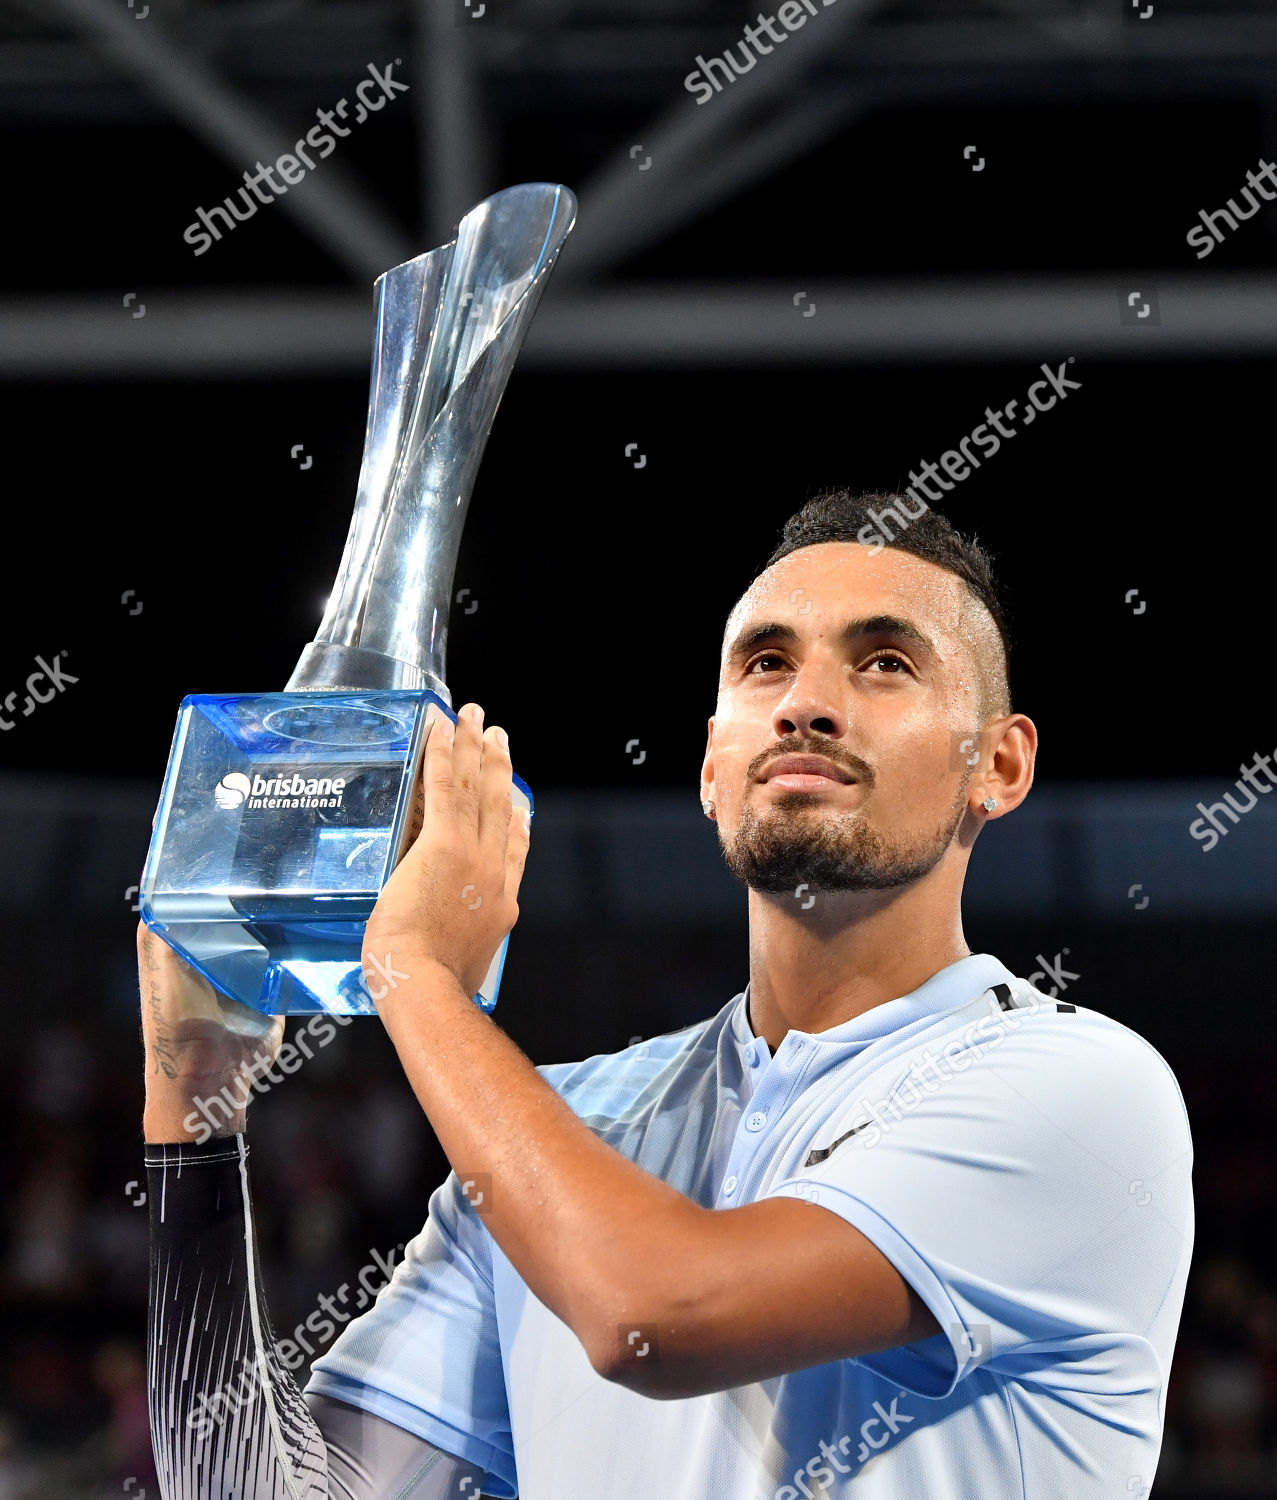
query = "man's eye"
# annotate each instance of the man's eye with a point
(768, 656)
(890, 656)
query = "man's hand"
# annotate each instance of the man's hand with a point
(452, 899)
(199, 1043)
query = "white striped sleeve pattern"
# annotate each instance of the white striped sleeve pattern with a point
(227, 1420)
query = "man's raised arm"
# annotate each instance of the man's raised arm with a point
(227, 1420)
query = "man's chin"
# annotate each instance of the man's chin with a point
(778, 855)
(780, 867)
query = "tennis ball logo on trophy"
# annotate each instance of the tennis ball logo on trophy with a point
(231, 790)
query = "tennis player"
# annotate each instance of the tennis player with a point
(892, 1223)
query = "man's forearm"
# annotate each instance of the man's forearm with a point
(592, 1235)
(168, 1120)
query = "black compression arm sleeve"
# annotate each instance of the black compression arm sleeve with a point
(227, 1419)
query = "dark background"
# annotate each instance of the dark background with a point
(152, 454)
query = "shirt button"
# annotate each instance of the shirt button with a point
(756, 1121)
(751, 1055)
(729, 1187)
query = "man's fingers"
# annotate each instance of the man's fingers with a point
(467, 761)
(451, 771)
(436, 772)
(468, 786)
(494, 799)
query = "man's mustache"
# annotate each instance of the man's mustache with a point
(830, 749)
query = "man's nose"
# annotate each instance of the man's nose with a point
(810, 707)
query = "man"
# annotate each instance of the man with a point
(891, 1223)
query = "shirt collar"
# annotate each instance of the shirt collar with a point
(949, 988)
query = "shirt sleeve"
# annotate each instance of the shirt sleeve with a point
(1032, 1184)
(427, 1355)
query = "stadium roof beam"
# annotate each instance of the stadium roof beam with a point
(337, 214)
(247, 334)
(1220, 53)
(621, 206)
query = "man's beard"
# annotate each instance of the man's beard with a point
(786, 847)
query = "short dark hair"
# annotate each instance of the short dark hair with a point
(840, 516)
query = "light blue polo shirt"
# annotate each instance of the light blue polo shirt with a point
(1024, 1163)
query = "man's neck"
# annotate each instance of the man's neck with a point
(814, 968)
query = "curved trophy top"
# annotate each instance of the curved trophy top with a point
(449, 325)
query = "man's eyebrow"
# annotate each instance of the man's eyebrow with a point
(889, 625)
(776, 631)
(758, 635)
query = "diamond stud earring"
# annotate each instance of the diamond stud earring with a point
(988, 804)
(709, 809)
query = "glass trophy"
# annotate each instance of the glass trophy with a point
(283, 814)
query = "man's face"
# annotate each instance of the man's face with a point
(867, 659)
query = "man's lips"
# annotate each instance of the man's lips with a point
(803, 773)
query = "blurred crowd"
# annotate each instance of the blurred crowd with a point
(343, 1163)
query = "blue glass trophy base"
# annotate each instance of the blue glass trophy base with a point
(281, 818)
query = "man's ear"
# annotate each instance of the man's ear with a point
(1006, 779)
(707, 765)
